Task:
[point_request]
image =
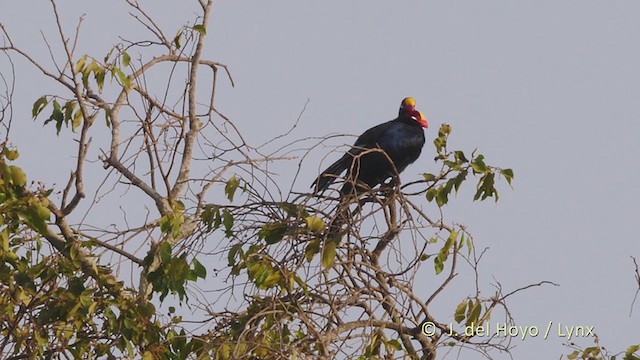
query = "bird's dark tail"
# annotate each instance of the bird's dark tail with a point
(330, 174)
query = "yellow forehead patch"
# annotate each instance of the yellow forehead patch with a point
(408, 103)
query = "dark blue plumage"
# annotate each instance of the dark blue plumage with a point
(380, 152)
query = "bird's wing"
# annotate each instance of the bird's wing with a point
(370, 137)
(367, 140)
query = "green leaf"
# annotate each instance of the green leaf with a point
(443, 254)
(99, 75)
(230, 188)
(68, 107)
(329, 254)
(227, 221)
(486, 187)
(273, 232)
(313, 247)
(124, 80)
(87, 70)
(235, 250)
(442, 195)
(77, 120)
(459, 179)
(428, 177)
(209, 215)
(478, 165)
(461, 309)
(459, 156)
(394, 343)
(292, 210)
(261, 274)
(630, 351)
(177, 38)
(272, 279)
(57, 116)
(126, 59)
(438, 265)
(508, 175)
(198, 269)
(474, 314)
(431, 194)
(165, 252)
(165, 224)
(80, 64)
(200, 28)
(38, 106)
(314, 224)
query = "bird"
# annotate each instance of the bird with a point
(381, 152)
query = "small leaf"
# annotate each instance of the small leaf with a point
(631, 349)
(431, 194)
(235, 249)
(478, 165)
(77, 120)
(459, 179)
(508, 175)
(461, 309)
(438, 265)
(273, 232)
(260, 274)
(474, 314)
(200, 28)
(459, 156)
(126, 59)
(428, 177)
(68, 110)
(394, 343)
(314, 224)
(106, 58)
(124, 80)
(57, 116)
(272, 279)
(227, 221)
(165, 252)
(292, 210)
(176, 39)
(231, 186)
(38, 106)
(80, 64)
(313, 247)
(486, 187)
(329, 254)
(442, 196)
(198, 269)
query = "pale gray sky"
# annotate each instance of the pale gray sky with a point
(549, 88)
